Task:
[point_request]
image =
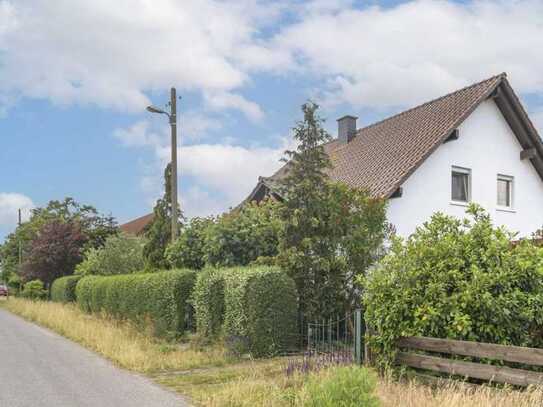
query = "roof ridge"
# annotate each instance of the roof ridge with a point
(501, 76)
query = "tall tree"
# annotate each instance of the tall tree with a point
(56, 250)
(331, 233)
(159, 232)
(304, 250)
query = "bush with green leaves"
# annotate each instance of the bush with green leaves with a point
(159, 299)
(350, 386)
(34, 290)
(188, 251)
(260, 310)
(208, 302)
(63, 289)
(244, 235)
(457, 279)
(121, 254)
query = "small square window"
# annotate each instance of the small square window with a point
(505, 191)
(461, 184)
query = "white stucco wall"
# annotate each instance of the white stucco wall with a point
(488, 147)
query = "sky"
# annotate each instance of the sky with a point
(76, 76)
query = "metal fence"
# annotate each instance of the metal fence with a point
(341, 338)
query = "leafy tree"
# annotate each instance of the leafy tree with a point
(243, 236)
(121, 254)
(188, 251)
(331, 233)
(54, 252)
(457, 279)
(159, 232)
(95, 227)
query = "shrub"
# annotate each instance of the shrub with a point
(242, 236)
(208, 302)
(121, 254)
(34, 290)
(188, 250)
(343, 386)
(63, 289)
(161, 299)
(458, 279)
(260, 310)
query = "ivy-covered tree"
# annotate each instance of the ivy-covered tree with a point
(159, 233)
(331, 233)
(54, 252)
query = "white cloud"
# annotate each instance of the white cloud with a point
(383, 57)
(111, 53)
(224, 100)
(138, 135)
(10, 203)
(220, 175)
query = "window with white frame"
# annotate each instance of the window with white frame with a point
(461, 185)
(505, 191)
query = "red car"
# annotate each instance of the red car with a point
(3, 290)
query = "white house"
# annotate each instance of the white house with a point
(474, 145)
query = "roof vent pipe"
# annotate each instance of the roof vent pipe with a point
(346, 128)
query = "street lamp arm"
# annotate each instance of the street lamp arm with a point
(153, 109)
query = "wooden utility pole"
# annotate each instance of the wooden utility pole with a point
(173, 124)
(20, 243)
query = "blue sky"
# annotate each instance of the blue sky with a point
(75, 78)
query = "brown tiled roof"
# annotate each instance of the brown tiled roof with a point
(383, 155)
(137, 226)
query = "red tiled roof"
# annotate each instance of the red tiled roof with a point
(383, 155)
(137, 226)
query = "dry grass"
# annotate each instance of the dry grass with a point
(455, 394)
(120, 342)
(210, 380)
(246, 384)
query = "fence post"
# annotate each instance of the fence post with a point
(358, 336)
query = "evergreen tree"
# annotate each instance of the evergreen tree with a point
(304, 250)
(159, 232)
(331, 233)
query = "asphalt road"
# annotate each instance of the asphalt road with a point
(39, 368)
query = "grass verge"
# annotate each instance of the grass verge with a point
(210, 379)
(121, 342)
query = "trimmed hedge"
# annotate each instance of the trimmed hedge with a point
(157, 298)
(63, 289)
(208, 302)
(257, 307)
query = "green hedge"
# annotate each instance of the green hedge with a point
(161, 299)
(208, 302)
(63, 289)
(256, 306)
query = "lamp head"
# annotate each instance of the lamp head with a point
(153, 109)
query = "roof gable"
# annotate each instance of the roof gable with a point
(383, 155)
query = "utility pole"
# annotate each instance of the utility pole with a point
(173, 124)
(20, 243)
(172, 115)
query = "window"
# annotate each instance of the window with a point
(505, 191)
(461, 184)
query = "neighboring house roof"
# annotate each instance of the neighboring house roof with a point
(383, 155)
(137, 226)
